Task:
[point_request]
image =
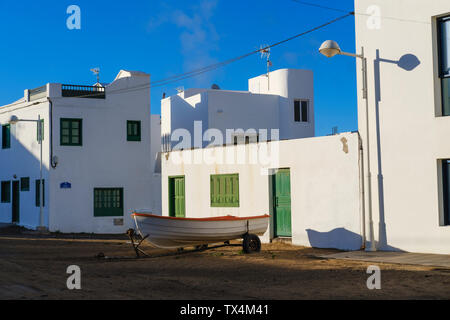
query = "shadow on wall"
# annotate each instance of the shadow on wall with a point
(339, 238)
(408, 62)
(342, 239)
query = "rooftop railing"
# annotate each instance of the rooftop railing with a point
(77, 91)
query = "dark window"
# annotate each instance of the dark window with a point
(6, 136)
(297, 111)
(444, 62)
(301, 111)
(133, 131)
(38, 193)
(24, 184)
(6, 192)
(446, 189)
(108, 202)
(71, 132)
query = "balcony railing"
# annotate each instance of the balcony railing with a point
(77, 91)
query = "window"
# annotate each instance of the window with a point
(133, 131)
(42, 130)
(24, 184)
(444, 62)
(225, 190)
(301, 110)
(446, 190)
(71, 132)
(6, 136)
(38, 193)
(108, 202)
(6, 192)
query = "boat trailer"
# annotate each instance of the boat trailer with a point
(250, 244)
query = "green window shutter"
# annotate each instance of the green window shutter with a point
(108, 202)
(6, 136)
(42, 130)
(6, 191)
(24, 184)
(71, 132)
(133, 130)
(177, 199)
(224, 190)
(38, 193)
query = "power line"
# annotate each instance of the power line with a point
(357, 13)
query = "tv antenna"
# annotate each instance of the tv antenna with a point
(96, 72)
(265, 54)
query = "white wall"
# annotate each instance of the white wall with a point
(404, 94)
(22, 160)
(105, 160)
(256, 109)
(324, 187)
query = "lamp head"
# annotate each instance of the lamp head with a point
(13, 120)
(330, 48)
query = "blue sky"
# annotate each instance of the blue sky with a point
(165, 38)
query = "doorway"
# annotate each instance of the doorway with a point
(15, 201)
(281, 189)
(177, 204)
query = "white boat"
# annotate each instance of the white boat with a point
(171, 232)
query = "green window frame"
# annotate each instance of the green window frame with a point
(224, 190)
(42, 130)
(108, 202)
(6, 136)
(38, 193)
(133, 130)
(71, 132)
(25, 184)
(6, 192)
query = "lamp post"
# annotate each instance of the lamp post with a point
(329, 49)
(13, 120)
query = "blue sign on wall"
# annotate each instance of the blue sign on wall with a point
(66, 185)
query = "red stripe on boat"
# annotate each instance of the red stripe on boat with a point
(224, 218)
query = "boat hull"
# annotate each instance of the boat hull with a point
(168, 232)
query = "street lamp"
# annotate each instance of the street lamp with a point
(13, 120)
(329, 49)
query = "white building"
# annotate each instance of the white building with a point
(99, 152)
(408, 52)
(282, 101)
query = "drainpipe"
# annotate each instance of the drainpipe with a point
(52, 162)
(362, 192)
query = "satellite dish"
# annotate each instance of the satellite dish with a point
(215, 87)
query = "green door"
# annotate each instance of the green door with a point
(282, 203)
(15, 201)
(177, 197)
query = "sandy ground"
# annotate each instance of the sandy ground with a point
(35, 268)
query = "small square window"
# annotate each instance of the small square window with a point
(71, 132)
(24, 184)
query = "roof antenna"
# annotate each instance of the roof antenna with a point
(265, 53)
(96, 71)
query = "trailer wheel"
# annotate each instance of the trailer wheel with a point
(251, 243)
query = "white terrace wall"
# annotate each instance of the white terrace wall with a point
(325, 188)
(409, 136)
